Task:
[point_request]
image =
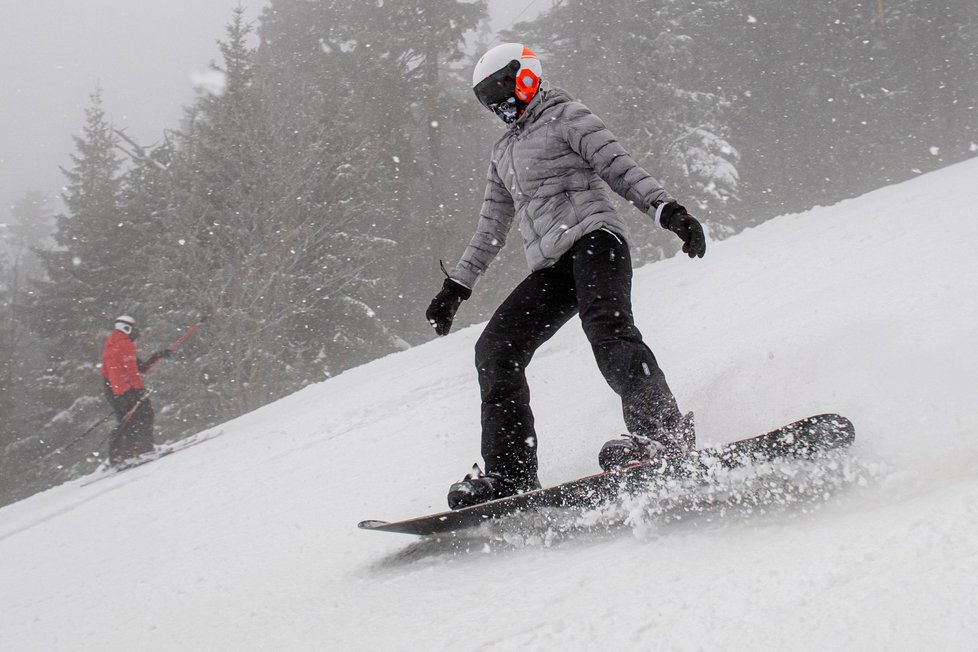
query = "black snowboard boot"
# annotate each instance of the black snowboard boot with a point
(668, 442)
(478, 487)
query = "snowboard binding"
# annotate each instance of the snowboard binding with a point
(478, 487)
(630, 450)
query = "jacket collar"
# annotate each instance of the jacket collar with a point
(542, 101)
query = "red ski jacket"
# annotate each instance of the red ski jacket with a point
(119, 363)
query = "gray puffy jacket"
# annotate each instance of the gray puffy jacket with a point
(552, 169)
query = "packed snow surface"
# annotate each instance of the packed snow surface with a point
(248, 541)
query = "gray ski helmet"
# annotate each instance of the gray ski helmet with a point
(125, 323)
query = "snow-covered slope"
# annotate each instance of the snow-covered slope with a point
(248, 541)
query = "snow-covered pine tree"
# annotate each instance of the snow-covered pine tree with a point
(829, 100)
(89, 278)
(28, 226)
(380, 90)
(260, 227)
(639, 66)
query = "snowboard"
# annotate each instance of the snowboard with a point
(801, 439)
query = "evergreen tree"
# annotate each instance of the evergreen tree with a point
(258, 230)
(639, 65)
(21, 350)
(371, 86)
(926, 59)
(87, 281)
(834, 99)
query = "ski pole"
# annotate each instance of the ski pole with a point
(132, 410)
(128, 416)
(173, 346)
(125, 419)
(186, 335)
(77, 439)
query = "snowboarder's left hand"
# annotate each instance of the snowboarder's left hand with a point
(441, 312)
(675, 218)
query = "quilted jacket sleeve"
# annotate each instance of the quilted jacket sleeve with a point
(495, 221)
(588, 136)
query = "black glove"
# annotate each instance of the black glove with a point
(153, 359)
(675, 218)
(441, 312)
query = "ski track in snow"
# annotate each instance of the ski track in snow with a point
(248, 541)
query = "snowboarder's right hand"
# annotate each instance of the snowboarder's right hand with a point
(675, 218)
(441, 312)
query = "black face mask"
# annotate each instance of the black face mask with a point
(508, 111)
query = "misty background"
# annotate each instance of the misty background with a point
(150, 56)
(292, 172)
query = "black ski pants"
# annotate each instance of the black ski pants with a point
(133, 436)
(594, 280)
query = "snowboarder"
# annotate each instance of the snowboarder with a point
(122, 372)
(552, 170)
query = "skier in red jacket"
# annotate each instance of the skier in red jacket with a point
(122, 372)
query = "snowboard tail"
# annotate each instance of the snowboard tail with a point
(798, 440)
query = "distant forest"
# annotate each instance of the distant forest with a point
(303, 202)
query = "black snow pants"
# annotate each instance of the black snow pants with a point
(593, 279)
(134, 436)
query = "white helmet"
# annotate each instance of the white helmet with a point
(125, 323)
(506, 78)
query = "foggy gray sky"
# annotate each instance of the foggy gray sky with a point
(143, 53)
(53, 53)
